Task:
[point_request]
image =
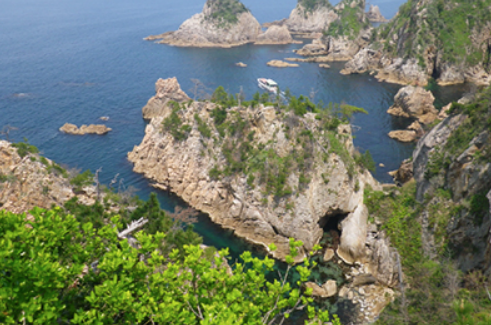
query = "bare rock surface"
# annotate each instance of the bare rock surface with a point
(281, 64)
(27, 182)
(202, 30)
(166, 91)
(374, 15)
(275, 35)
(415, 102)
(405, 172)
(328, 289)
(403, 135)
(183, 167)
(302, 20)
(99, 129)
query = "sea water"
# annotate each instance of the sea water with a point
(76, 61)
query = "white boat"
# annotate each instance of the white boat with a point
(268, 84)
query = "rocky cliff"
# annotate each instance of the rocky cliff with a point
(344, 36)
(266, 173)
(28, 180)
(311, 17)
(374, 15)
(444, 39)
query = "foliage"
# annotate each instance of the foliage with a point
(311, 5)
(58, 270)
(203, 128)
(24, 148)
(81, 180)
(446, 24)
(174, 126)
(350, 22)
(225, 12)
(365, 160)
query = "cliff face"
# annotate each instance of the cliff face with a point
(265, 173)
(222, 23)
(311, 17)
(454, 158)
(32, 181)
(343, 36)
(445, 39)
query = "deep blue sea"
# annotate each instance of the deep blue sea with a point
(75, 61)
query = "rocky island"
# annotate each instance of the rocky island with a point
(431, 39)
(269, 172)
(223, 23)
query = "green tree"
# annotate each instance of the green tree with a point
(56, 270)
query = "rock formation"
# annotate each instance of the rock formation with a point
(315, 16)
(281, 64)
(241, 64)
(167, 90)
(454, 156)
(414, 102)
(430, 38)
(374, 15)
(32, 181)
(220, 24)
(99, 129)
(275, 35)
(191, 168)
(344, 36)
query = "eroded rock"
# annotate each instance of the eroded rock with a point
(99, 129)
(415, 102)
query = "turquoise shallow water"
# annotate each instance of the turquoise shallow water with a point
(77, 61)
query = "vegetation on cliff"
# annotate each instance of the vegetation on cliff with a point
(225, 11)
(448, 29)
(56, 269)
(350, 22)
(443, 238)
(311, 5)
(246, 157)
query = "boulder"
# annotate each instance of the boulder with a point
(403, 135)
(353, 235)
(324, 65)
(328, 289)
(281, 64)
(405, 172)
(99, 129)
(328, 254)
(411, 101)
(241, 64)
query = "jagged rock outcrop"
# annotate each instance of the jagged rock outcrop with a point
(99, 129)
(198, 169)
(275, 35)
(414, 102)
(220, 24)
(404, 173)
(328, 289)
(31, 181)
(453, 157)
(166, 91)
(315, 16)
(344, 36)
(374, 15)
(431, 38)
